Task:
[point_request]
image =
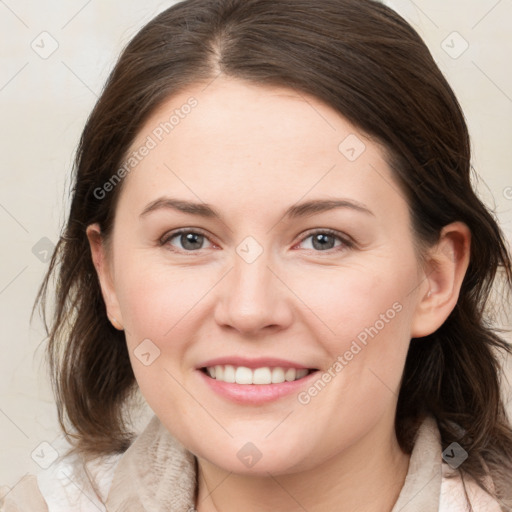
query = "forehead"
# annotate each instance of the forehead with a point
(232, 141)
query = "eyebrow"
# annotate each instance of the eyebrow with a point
(295, 211)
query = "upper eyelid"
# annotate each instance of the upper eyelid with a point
(171, 234)
(346, 239)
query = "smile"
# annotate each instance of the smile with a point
(259, 376)
(254, 381)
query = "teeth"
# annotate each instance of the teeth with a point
(290, 374)
(264, 375)
(277, 375)
(243, 375)
(229, 373)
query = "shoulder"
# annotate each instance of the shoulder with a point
(24, 496)
(68, 484)
(453, 497)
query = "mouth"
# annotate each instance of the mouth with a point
(257, 376)
(254, 381)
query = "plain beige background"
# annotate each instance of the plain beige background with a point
(56, 57)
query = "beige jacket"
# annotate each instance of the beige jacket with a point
(157, 473)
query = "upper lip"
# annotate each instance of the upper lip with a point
(259, 362)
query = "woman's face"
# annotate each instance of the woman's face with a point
(296, 254)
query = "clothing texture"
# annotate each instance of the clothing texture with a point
(157, 473)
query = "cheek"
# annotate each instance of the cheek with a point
(367, 315)
(161, 307)
(347, 301)
(156, 298)
(158, 307)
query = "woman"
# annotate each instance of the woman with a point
(324, 346)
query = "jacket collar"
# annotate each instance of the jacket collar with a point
(422, 486)
(158, 473)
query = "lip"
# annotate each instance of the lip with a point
(256, 394)
(259, 362)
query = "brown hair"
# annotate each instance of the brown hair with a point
(367, 63)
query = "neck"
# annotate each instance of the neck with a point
(367, 477)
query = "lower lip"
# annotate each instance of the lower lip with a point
(256, 393)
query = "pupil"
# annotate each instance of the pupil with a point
(190, 239)
(320, 239)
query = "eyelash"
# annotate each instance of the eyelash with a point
(346, 242)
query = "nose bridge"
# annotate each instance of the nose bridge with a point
(251, 279)
(252, 295)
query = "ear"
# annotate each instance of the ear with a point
(445, 267)
(103, 269)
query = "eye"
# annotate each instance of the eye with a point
(189, 240)
(323, 240)
(193, 240)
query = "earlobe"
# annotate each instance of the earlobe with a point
(445, 268)
(101, 264)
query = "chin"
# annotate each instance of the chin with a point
(258, 459)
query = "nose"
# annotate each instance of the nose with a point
(253, 298)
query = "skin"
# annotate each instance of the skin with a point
(251, 152)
